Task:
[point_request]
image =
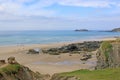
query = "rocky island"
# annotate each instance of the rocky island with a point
(81, 30)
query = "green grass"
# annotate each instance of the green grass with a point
(105, 74)
(11, 68)
(106, 48)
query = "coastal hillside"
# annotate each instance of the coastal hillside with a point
(14, 71)
(108, 55)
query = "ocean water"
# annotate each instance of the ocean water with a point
(45, 37)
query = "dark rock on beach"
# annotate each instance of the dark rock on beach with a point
(33, 51)
(85, 57)
(75, 47)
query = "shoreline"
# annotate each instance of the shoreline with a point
(29, 59)
(64, 42)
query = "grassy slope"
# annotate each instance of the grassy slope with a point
(105, 74)
(10, 68)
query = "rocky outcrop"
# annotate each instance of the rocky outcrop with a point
(81, 30)
(2, 62)
(116, 30)
(108, 55)
(85, 57)
(75, 47)
(15, 71)
(33, 51)
(11, 60)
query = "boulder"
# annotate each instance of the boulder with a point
(85, 57)
(33, 51)
(11, 60)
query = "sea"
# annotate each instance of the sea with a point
(55, 36)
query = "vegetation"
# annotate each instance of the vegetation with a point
(105, 74)
(10, 68)
(118, 40)
(106, 48)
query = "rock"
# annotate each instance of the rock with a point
(74, 48)
(116, 30)
(70, 54)
(2, 62)
(33, 51)
(108, 55)
(81, 30)
(11, 60)
(85, 57)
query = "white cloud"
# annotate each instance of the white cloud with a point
(11, 9)
(1, 8)
(86, 3)
(20, 7)
(37, 7)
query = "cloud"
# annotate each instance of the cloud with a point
(30, 14)
(24, 7)
(86, 3)
(38, 7)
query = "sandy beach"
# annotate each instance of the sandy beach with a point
(45, 63)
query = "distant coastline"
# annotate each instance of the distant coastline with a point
(48, 37)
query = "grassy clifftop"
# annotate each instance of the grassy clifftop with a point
(10, 68)
(105, 74)
(106, 48)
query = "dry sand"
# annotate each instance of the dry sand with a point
(45, 63)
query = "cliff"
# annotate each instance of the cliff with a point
(14, 71)
(108, 55)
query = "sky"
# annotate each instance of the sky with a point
(59, 14)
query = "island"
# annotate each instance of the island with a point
(81, 30)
